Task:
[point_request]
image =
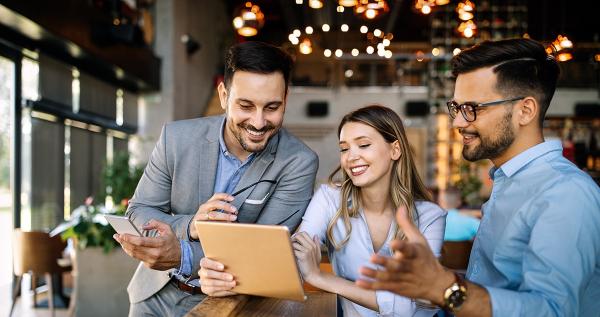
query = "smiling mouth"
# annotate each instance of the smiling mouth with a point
(469, 137)
(358, 170)
(256, 133)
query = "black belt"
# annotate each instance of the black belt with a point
(183, 286)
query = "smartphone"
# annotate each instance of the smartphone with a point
(122, 225)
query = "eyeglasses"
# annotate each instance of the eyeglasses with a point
(469, 109)
(254, 184)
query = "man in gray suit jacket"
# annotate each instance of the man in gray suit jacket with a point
(239, 167)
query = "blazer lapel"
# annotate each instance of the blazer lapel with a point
(208, 156)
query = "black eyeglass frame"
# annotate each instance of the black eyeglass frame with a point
(254, 184)
(451, 104)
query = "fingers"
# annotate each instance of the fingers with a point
(304, 239)
(213, 281)
(211, 264)
(303, 243)
(390, 264)
(408, 227)
(216, 278)
(404, 249)
(132, 241)
(217, 208)
(161, 227)
(221, 201)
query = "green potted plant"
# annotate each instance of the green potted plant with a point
(469, 185)
(101, 268)
(87, 225)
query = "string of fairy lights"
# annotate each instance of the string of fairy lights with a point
(249, 19)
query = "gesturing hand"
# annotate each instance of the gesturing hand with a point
(161, 252)
(308, 255)
(214, 281)
(413, 271)
(217, 208)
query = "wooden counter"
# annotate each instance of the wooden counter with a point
(317, 304)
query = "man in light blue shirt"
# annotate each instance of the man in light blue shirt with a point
(537, 251)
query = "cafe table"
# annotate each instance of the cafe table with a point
(318, 303)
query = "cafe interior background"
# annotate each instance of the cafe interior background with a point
(85, 86)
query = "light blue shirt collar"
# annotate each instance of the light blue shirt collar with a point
(516, 163)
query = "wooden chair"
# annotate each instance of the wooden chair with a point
(455, 254)
(36, 253)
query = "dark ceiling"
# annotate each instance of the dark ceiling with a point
(545, 19)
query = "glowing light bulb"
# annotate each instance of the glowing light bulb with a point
(426, 9)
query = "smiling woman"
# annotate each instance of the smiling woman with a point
(355, 216)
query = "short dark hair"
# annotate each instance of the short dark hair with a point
(522, 66)
(257, 57)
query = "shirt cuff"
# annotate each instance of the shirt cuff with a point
(185, 268)
(504, 302)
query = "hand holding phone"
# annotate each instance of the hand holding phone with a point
(122, 225)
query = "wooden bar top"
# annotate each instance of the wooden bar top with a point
(317, 304)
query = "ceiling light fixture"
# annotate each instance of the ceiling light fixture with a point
(371, 9)
(248, 20)
(348, 3)
(315, 4)
(467, 29)
(465, 10)
(305, 47)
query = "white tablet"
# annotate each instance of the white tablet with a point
(260, 257)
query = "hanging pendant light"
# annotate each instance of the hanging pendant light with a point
(305, 46)
(248, 20)
(348, 3)
(315, 4)
(371, 9)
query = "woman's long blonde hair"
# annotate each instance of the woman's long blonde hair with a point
(406, 186)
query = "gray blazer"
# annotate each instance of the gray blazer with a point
(180, 176)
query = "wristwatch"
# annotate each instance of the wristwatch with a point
(455, 295)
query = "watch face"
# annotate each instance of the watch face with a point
(457, 298)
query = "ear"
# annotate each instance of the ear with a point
(529, 109)
(222, 95)
(396, 151)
